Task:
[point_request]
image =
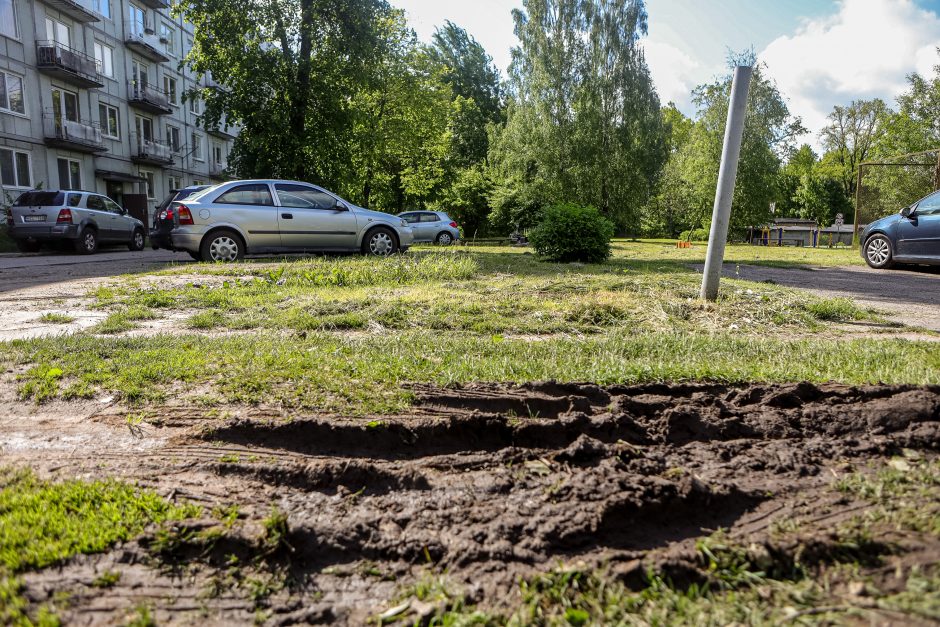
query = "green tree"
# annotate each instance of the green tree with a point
(820, 198)
(850, 136)
(583, 124)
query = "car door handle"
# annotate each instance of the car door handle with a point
(287, 216)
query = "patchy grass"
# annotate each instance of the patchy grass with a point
(43, 523)
(366, 373)
(56, 318)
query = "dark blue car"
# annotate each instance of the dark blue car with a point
(910, 236)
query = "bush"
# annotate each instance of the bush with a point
(698, 235)
(569, 232)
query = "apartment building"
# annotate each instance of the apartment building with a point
(91, 98)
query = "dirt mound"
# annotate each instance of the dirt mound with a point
(492, 482)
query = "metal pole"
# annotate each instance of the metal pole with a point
(858, 199)
(727, 173)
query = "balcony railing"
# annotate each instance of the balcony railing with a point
(67, 64)
(157, 4)
(147, 97)
(146, 43)
(79, 136)
(149, 151)
(217, 170)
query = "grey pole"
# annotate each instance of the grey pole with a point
(721, 214)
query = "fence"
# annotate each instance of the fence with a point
(885, 186)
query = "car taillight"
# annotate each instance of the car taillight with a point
(453, 225)
(186, 216)
(65, 216)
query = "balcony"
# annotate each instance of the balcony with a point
(218, 172)
(207, 82)
(150, 152)
(79, 10)
(148, 98)
(156, 4)
(67, 64)
(69, 135)
(146, 44)
(223, 129)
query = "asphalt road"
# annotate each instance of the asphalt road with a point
(910, 295)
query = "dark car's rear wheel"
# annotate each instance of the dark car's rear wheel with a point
(87, 242)
(222, 246)
(380, 242)
(878, 252)
(137, 240)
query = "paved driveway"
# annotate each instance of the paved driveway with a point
(911, 296)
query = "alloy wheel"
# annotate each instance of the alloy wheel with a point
(381, 244)
(878, 251)
(223, 249)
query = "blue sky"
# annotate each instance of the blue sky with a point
(820, 52)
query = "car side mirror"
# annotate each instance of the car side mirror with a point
(907, 212)
(340, 206)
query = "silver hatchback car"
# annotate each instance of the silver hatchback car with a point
(225, 222)
(81, 219)
(432, 226)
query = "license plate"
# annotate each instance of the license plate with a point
(34, 218)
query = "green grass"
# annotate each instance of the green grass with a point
(44, 523)
(365, 374)
(56, 318)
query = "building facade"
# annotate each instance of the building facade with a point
(91, 97)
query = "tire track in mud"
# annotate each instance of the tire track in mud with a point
(493, 482)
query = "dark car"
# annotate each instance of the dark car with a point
(163, 220)
(910, 236)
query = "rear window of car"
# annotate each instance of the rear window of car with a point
(39, 199)
(186, 193)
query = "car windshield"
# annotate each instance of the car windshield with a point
(39, 199)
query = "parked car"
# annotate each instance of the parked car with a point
(225, 222)
(163, 220)
(432, 226)
(84, 220)
(910, 236)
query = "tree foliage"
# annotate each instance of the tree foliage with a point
(850, 136)
(583, 123)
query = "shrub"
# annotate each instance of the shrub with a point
(697, 235)
(569, 232)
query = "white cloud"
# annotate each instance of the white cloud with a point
(865, 50)
(674, 72)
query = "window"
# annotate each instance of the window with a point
(168, 37)
(95, 203)
(929, 206)
(255, 194)
(149, 183)
(11, 93)
(15, 168)
(111, 206)
(198, 182)
(144, 128)
(108, 119)
(302, 196)
(173, 138)
(74, 200)
(217, 154)
(58, 32)
(8, 19)
(137, 19)
(195, 105)
(64, 105)
(141, 74)
(70, 174)
(102, 7)
(430, 217)
(169, 86)
(196, 141)
(174, 183)
(104, 55)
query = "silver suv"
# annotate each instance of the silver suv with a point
(82, 219)
(224, 222)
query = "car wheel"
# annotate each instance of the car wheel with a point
(26, 246)
(137, 241)
(222, 246)
(380, 242)
(445, 239)
(87, 242)
(878, 252)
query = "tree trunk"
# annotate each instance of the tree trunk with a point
(301, 100)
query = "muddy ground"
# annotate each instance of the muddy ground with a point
(484, 483)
